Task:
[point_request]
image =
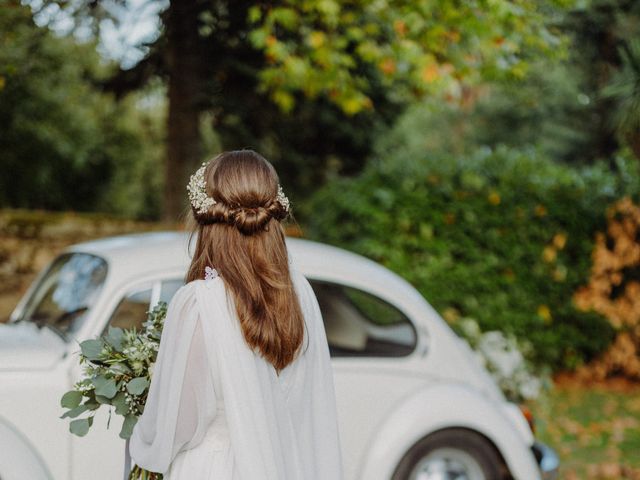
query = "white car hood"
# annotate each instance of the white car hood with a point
(23, 346)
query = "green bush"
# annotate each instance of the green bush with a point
(502, 236)
(65, 144)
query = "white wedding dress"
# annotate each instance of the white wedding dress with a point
(216, 410)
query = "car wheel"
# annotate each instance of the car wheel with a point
(454, 454)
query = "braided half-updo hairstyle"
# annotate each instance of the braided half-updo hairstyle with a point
(242, 237)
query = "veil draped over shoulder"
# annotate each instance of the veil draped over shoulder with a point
(280, 427)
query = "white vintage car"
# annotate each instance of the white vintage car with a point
(413, 402)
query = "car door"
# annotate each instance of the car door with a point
(103, 446)
(370, 341)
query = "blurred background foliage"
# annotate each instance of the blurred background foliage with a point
(308, 83)
(475, 148)
(504, 236)
(66, 144)
(487, 151)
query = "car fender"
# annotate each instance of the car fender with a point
(439, 407)
(19, 459)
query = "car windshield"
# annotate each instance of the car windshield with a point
(66, 292)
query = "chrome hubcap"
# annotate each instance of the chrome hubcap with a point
(447, 464)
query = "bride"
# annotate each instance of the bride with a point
(242, 388)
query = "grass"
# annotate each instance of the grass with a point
(594, 428)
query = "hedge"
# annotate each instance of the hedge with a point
(503, 236)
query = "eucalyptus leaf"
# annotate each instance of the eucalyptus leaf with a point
(127, 426)
(92, 348)
(101, 399)
(137, 385)
(114, 337)
(120, 402)
(105, 386)
(74, 412)
(120, 368)
(81, 426)
(71, 399)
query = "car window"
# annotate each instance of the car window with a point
(134, 306)
(132, 309)
(66, 292)
(358, 323)
(169, 288)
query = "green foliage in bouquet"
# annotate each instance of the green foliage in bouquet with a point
(141, 474)
(117, 374)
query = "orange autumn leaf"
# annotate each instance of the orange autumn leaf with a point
(388, 66)
(540, 210)
(613, 292)
(494, 198)
(559, 240)
(400, 27)
(430, 73)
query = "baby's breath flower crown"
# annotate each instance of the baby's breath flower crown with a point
(201, 202)
(197, 191)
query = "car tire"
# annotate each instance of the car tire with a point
(452, 453)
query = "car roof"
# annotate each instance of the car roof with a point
(148, 251)
(140, 254)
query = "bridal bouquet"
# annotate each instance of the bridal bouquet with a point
(117, 374)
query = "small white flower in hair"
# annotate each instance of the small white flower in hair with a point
(210, 273)
(201, 202)
(282, 199)
(197, 188)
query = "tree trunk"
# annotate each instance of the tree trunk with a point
(185, 88)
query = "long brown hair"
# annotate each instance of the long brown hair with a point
(241, 236)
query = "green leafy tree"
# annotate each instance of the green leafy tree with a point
(624, 90)
(317, 61)
(416, 48)
(577, 108)
(605, 39)
(64, 143)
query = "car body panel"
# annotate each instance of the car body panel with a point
(437, 407)
(24, 346)
(20, 457)
(29, 406)
(385, 404)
